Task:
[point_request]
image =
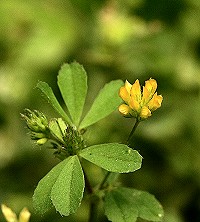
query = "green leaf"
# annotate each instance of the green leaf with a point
(62, 187)
(113, 157)
(118, 208)
(48, 92)
(105, 103)
(42, 194)
(72, 81)
(125, 205)
(58, 128)
(67, 192)
(62, 125)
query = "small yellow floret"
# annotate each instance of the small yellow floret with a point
(124, 94)
(10, 216)
(145, 113)
(155, 102)
(124, 109)
(24, 215)
(134, 104)
(151, 85)
(128, 86)
(136, 91)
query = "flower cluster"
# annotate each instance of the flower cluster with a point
(139, 103)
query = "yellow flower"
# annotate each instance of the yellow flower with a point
(10, 216)
(139, 103)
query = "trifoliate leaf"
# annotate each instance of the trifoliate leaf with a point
(118, 208)
(126, 205)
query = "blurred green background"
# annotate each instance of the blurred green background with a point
(122, 39)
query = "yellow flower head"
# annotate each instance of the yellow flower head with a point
(139, 103)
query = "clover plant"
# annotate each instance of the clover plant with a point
(63, 187)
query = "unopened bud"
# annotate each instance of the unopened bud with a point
(38, 125)
(42, 141)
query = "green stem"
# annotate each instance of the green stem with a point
(104, 180)
(94, 205)
(93, 202)
(93, 211)
(132, 131)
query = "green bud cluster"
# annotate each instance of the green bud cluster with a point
(38, 125)
(64, 138)
(73, 139)
(68, 138)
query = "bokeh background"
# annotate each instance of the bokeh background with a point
(113, 39)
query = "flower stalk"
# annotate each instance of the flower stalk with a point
(132, 131)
